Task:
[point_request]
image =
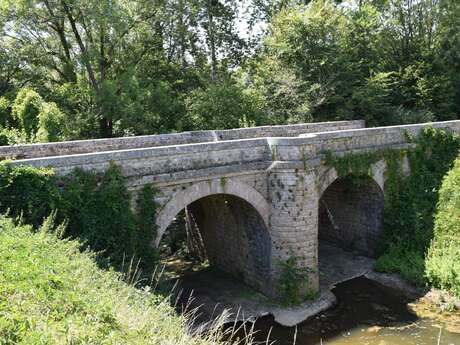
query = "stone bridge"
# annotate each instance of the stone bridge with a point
(259, 195)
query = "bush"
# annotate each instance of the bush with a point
(96, 206)
(26, 108)
(51, 123)
(221, 105)
(28, 192)
(12, 136)
(293, 283)
(410, 201)
(5, 111)
(407, 262)
(443, 259)
(146, 225)
(51, 293)
(98, 210)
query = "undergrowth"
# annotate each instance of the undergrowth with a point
(96, 206)
(293, 285)
(443, 259)
(52, 293)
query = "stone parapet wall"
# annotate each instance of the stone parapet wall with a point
(169, 160)
(174, 139)
(308, 146)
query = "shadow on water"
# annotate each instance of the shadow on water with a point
(367, 313)
(361, 302)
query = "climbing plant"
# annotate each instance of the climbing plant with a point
(146, 223)
(410, 201)
(95, 206)
(28, 192)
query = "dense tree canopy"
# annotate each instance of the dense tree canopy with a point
(74, 69)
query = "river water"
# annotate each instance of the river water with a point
(366, 313)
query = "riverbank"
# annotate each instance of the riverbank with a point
(51, 293)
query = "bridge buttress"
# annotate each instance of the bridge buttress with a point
(294, 220)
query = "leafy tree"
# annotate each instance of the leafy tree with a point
(219, 106)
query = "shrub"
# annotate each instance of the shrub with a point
(28, 192)
(221, 105)
(410, 204)
(293, 283)
(407, 262)
(96, 206)
(443, 259)
(5, 111)
(410, 201)
(98, 209)
(51, 123)
(146, 225)
(26, 108)
(11, 136)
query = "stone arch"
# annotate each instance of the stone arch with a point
(187, 196)
(350, 211)
(329, 174)
(232, 220)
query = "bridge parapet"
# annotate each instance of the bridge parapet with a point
(313, 145)
(27, 151)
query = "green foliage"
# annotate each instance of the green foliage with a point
(96, 207)
(410, 202)
(5, 111)
(51, 293)
(221, 105)
(293, 282)
(12, 136)
(98, 210)
(28, 192)
(172, 65)
(408, 263)
(360, 62)
(443, 258)
(51, 123)
(146, 225)
(26, 109)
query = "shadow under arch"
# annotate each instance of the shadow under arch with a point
(185, 197)
(232, 221)
(350, 214)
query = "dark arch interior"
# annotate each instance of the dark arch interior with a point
(351, 214)
(233, 234)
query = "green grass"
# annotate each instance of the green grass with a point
(51, 293)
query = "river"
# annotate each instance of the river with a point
(366, 313)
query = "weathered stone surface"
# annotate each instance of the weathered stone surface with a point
(276, 173)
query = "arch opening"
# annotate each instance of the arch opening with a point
(350, 214)
(229, 233)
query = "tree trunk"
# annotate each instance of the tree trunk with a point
(212, 41)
